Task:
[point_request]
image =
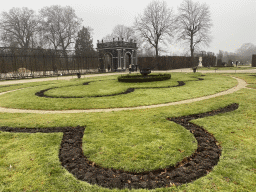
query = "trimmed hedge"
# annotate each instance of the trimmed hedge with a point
(209, 61)
(166, 62)
(253, 60)
(141, 78)
(219, 63)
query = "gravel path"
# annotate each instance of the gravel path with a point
(10, 82)
(241, 84)
(185, 70)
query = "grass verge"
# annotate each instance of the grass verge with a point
(34, 157)
(26, 98)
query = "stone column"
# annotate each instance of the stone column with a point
(132, 57)
(135, 53)
(123, 58)
(119, 58)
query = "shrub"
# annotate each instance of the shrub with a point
(219, 63)
(253, 60)
(140, 78)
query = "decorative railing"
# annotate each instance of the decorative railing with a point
(116, 44)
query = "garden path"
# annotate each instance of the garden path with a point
(185, 70)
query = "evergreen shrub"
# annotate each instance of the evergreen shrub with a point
(140, 78)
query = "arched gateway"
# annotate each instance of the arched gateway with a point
(117, 55)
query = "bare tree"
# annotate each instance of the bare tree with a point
(245, 52)
(194, 23)
(122, 32)
(108, 38)
(18, 27)
(156, 24)
(146, 52)
(220, 55)
(59, 26)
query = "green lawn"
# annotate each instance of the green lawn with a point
(26, 98)
(134, 140)
(250, 79)
(4, 88)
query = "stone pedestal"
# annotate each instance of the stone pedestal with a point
(200, 62)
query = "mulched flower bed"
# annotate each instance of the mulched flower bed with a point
(129, 90)
(189, 169)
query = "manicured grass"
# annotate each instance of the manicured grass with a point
(26, 98)
(4, 88)
(136, 141)
(23, 154)
(34, 157)
(249, 78)
(253, 86)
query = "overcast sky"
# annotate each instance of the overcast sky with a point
(234, 21)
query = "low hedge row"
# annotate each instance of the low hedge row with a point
(141, 78)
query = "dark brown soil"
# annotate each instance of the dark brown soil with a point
(189, 169)
(41, 94)
(129, 90)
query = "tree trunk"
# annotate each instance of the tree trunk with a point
(192, 50)
(156, 63)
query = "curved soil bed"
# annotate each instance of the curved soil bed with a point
(189, 169)
(129, 90)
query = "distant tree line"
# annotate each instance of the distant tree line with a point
(243, 55)
(58, 28)
(245, 52)
(55, 27)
